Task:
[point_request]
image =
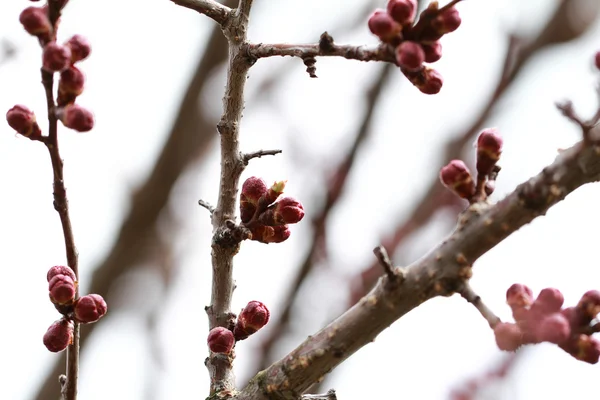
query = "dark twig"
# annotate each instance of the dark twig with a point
(258, 154)
(330, 395)
(386, 263)
(210, 8)
(306, 51)
(469, 295)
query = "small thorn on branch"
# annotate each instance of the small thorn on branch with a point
(258, 154)
(311, 67)
(393, 275)
(206, 205)
(567, 109)
(469, 294)
(330, 395)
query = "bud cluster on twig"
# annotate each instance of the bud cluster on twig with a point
(252, 318)
(416, 43)
(62, 287)
(265, 217)
(457, 177)
(544, 320)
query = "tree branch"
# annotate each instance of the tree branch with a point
(440, 273)
(210, 8)
(330, 395)
(469, 295)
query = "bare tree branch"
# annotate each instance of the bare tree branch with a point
(440, 273)
(210, 8)
(258, 154)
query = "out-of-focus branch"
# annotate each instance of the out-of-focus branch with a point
(190, 136)
(335, 188)
(440, 273)
(470, 389)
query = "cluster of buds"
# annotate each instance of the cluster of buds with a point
(544, 320)
(265, 217)
(415, 44)
(59, 58)
(457, 177)
(253, 317)
(62, 287)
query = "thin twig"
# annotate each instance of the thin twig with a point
(350, 52)
(386, 263)
(207, 205)
(330, 395)
(210, 8)
(469, 295)
(258, 154)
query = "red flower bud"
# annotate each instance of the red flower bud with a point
(60, 270)
(252, 190)
(220, 340)
(55, 57)
(80, 48)
(448, 21)
(289, 211)
(432, 81)
(35, 21)
(22, 120)
(519, 296)
(90, 308)
(62, 289)
(70, 85)
(489, 148)
(410, 56)
(382, 25)
(402, 11)
(270, 234)
(508, 336)
(577, 319)
(590, 303)
(584, 348)
(433, 51)
(76, 117)
(59, 336)
(456, 177)
(549, 301)
(253, 317)
(554, 329)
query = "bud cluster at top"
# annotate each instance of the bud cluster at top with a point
(544, 320)
(457, 177)
(252, 318)
(266, 217)
(415, 44)
(56, 58)
(62, 288)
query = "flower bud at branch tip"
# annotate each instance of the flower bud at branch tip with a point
(456, 177)
(80, 48)
(62, 289)
(252, 318)
(220, 340)
(383, 25)
(56, 58)
(76, 117)
(59, 336)
(36, 22)
(402, 11)
(90, 308)
(23, 120)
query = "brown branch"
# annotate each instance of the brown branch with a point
(258, 154)
(440, 273)
(330, 395)
(210, 8)
(469, 295)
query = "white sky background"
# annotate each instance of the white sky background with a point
(141, 60)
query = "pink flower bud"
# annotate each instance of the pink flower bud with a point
(220, 340)
(252, 190)
(90, 308)
(410, 56)
(519, 296)
(62, 289)
(584, 348)
(289, 211)
(448, 21)
(59, 336)
(382, 25)
(60, 270)
(35, 21)
(549, 301)
(590, 303)
(456, 177)
(402, 11)
(432, 81)
(433, 51)
(576, 317)
(489, 148)
(508, 336)
(554, 328)
(253, 317)
(80, 48)
(76, 117)
(22, 120)
(70, 85)
(56, 58)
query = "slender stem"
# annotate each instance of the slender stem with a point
(469, 295)
(210, 8)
